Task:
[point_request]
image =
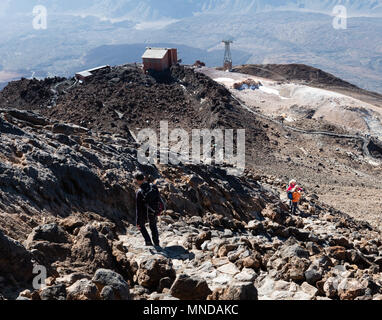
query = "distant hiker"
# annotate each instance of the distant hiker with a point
(294, 195)
(283, 118)
(289, 187)
(149, 206)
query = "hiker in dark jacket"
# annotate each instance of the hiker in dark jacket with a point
(143, 213)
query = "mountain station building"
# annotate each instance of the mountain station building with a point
(159, 59)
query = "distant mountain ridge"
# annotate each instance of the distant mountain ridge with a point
(127, 53)
(143, 10)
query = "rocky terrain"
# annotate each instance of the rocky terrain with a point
(124, 99)
(66, 193)
(67, 199)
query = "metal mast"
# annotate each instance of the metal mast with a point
(227, 64)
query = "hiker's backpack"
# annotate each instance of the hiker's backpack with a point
(153, 201)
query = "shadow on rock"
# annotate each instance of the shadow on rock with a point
(174, 252)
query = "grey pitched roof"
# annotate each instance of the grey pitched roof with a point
(155, 53)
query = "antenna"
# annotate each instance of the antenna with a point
(227, 64)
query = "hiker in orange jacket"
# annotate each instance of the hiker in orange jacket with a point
(296, 196)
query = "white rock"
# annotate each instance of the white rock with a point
(350, 288)
(283, 285)
(222, 279)
(323, 298)
(217, 262)
(206, 266)
(301, 295)
(281, 295)
(229, 268)
(252, 224)
(227, 233)
(211, 246)
(246, 275)
(310, 290)
(270, 289)
(205, 244)
(331, 286)
(177, 263)
(208, 275)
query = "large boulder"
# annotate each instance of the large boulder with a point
(165, 283)
(336, 252)
(255, 226)
(246, 275)
(295, 250)
(313, 274)
(111, 285)
(107, 293)
(188, 287)
(68, 129)
(49, 232)
(47, 253)
(125, 266)
(71, 223)
(49, 243)
(83, 289)
(295, 269)
(229, 268)
(152, 269)
(201, 238)
(28, 116)
(323, 262)
(253, 261)
(226, 248)
(235, 291)
(92, 249)
(330, 287)
(310, 290)
(15, 259)
(271, 289)
(56, 292)
(349, 289)
(274, 213)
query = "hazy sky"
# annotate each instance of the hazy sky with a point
(181, 8)
(3, 6)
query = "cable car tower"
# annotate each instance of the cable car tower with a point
(227, 64)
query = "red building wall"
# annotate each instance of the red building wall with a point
(173, 56)
(168, 60)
